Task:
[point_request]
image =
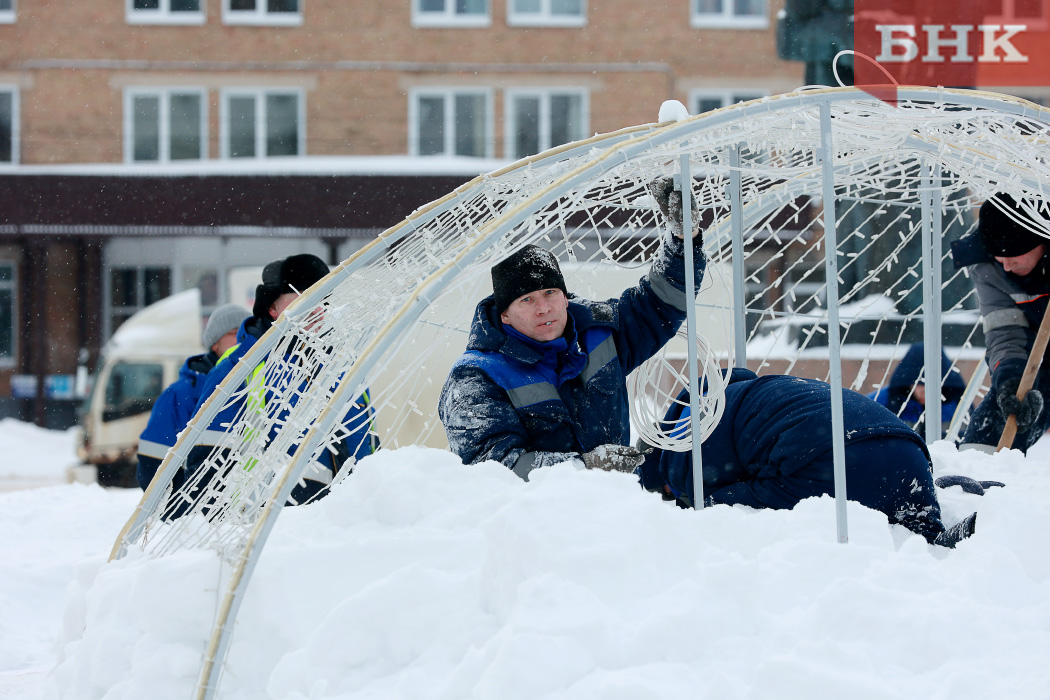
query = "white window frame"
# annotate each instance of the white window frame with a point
(163, 14)
(260, 16)
(726, 19)
(12, 284)
(449, 94)
(164, 127)
(727, 96)
(260, 93)
(545, 95)
(15, 124)
(448, 16)
(8, 16)
(544, 18)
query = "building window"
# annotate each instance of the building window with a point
(8, 125)
(538, 120)
(7, 11)
(551, 13)
(739, 14)
(134, 288)
(450, 123)
(263, 123)
(165, 125)
(708, 100)
(164, 12)
(450, 13)
(273, 12)
(8, 290)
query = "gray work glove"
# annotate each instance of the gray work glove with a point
(670, 202)
(1027, 411)
(613, 458)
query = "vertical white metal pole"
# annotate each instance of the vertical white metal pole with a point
(930, 200)
(685, 184)
(736, 214)
(831, 267)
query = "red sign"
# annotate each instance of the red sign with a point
(950, 43)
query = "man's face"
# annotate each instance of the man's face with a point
(540, 315)
(281, 303)
(224, 343)
(1021, 265)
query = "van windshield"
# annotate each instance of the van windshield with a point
(132, 389)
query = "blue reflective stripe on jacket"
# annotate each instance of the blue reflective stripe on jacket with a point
(501, 402)
(171, 412)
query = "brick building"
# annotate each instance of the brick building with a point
(122, 123)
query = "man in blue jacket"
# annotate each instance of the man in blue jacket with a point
(282, 282)
(1007, 260)
(543, 379)
(773, 448)
(905, 396)
(175, 406)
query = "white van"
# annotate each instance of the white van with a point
(141, 359)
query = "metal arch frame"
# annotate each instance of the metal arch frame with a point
(428, 289)
(619, 147)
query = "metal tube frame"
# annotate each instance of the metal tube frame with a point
(736, 215)
(831, 266)
(684, 185)
(930, 203)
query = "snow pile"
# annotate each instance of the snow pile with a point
(672, 111)
(33, 454)
(423, 578)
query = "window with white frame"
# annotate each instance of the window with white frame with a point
(540, 119)
(162, 125)
(263, 123)
(554, 13)
(450, 13)
(8, 310)
(164, 11)
(740, 14)
(134, 288)
(708, 100)
(7, 11)
(450, 122)
(275, 12)
(8, 124)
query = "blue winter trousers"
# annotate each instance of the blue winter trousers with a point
(890, 475)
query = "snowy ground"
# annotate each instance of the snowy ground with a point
(422, 578)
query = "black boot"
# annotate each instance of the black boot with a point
(957, 532)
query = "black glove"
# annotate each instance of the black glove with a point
(613, 458)
(1027, 411)
(670, 202)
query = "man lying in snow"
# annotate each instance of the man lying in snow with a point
(772, 448)
(543, 379)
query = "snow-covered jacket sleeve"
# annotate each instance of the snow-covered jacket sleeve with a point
(482, 424)
(652, 311)
(1006, 329)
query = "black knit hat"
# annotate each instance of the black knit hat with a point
(296, 273)
(1003, 234)
(530, 269)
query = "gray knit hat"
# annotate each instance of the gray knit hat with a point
(224, 319)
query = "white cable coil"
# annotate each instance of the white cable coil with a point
(654, 388)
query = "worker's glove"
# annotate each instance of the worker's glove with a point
(670, 202)
(613, 458)
(1027, 411)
